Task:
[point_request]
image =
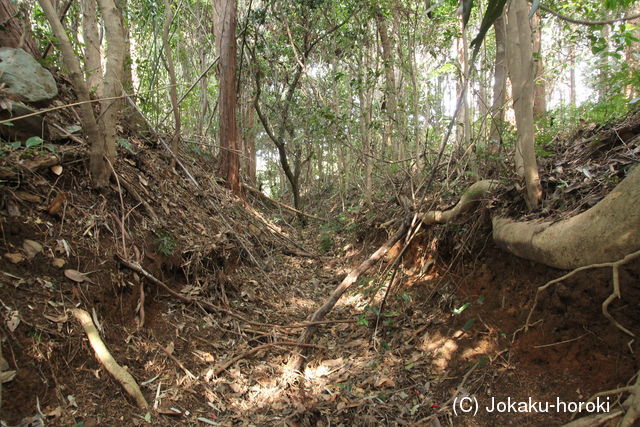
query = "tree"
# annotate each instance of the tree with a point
(101, 133)
(521, 72)
(229, 166)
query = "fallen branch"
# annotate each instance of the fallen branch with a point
(102, 354)
(297, 360)
(227, 364)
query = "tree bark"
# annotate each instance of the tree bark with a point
(391, 101)
(521, 72)
(539, 98)
(499, 84)
(229, 166)
(112, 87)
(92, 54)
(173, 91)
(97, 165)
(606, 232)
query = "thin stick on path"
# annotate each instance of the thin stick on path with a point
(296, 363)
(102, 354)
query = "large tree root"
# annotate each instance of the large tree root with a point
(102, 354)
(606, 232)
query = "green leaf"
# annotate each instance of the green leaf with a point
(409, 366)
(483, 361)
(480, 299)
(461, 309)
(15, 144)
(147, 417)
(34, 141)
(469, 324)
(8, 123)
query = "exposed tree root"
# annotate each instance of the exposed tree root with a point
(615, 294)
(604, 233)
(102, 354)
(473, 194)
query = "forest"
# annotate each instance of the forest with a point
(314, 212)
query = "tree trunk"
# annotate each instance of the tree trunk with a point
(173, 91)
(112, 87)
(97, 166)
(521, 71)
(227, 101)
(572, 75)
(464, 129)
(92, 54)
(391, 102)
(15, 30)
(539, 99)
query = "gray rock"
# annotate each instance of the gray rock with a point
(24, 77)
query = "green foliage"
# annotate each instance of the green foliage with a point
(165, 243)
(33, 146)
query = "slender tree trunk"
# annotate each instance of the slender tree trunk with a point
(499, 83)
(173, 90)
(92, 48)
(97, 164)
(464, 138)
(539, 100)
(522, 72)
(391, 101)
(632, 52)
(112, 88)
(572, 75)
(229, 144)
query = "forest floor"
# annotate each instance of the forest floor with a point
(451, 326)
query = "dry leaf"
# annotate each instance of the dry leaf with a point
(57, 319)
(75, 275)
(58, 262)
(31, 248)
(55, 413)
(7, 376)
(385, 382)
(14, 258)
(169, 348)
(57, 169)
(28, 197)
(13, 321)
(57, 204)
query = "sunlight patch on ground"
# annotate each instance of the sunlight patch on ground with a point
(442, 348)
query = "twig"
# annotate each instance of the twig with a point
(226, 365)
(102, 354)
(560, 342)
